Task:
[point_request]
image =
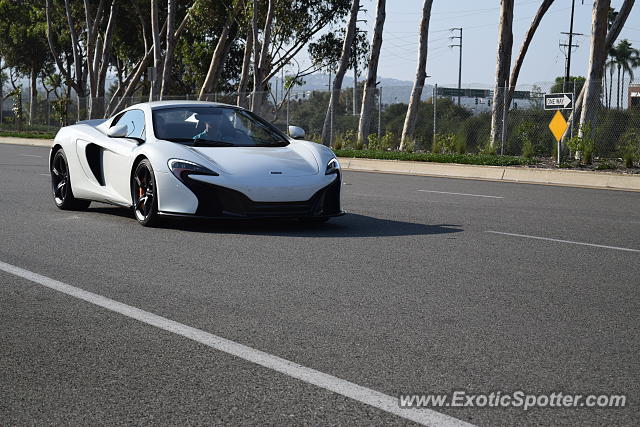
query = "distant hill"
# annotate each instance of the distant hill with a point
(393, 90)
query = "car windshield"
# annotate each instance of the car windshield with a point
(215, 127)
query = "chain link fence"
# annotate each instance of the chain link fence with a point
(448, 120)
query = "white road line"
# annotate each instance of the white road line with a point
(461, 194)
(564, 241)
(44, 174)
(308, 375)
(29, 155)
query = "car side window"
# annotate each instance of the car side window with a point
(134, 120)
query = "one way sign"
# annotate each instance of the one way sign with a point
(558, 101)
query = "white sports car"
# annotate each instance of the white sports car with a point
(187, 158)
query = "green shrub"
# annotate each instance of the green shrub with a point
(444, 143)
(583, 143)
(605, 166)
(524, 134)
(472, 132)
(469, 159)
(345, 139)
(488, 148)
(382, 143)
(629, 147)
(461, 146)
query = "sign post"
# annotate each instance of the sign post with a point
(558, 127)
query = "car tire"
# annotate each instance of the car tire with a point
(144, 194)
(61, 184)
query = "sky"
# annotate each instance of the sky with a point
(479, 20)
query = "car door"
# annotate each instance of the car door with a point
(118, 152)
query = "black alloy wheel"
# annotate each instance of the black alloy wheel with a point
(61, 184)
(145, 203)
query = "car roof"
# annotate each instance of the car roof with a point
(157, 105)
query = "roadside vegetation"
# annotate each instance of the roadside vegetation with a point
(467, 159)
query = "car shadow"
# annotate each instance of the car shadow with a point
(349, 225)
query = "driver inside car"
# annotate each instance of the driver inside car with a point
(216, 127)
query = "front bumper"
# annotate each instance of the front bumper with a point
(217, 201)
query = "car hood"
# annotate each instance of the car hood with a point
(262, 161)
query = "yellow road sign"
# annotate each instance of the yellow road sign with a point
(558, 125)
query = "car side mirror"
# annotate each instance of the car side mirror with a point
(117, 131)
(296, 132)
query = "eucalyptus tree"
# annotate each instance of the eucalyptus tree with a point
(372, 73)
(92, 54)
(513, 79)
(130, 83)
(503, 64)
(170, 46)
(421, 74)
(23, 44)
(157, 51)
(241, 100)
(222, 49)
(342, 69)
(597, 57)
(611, 36)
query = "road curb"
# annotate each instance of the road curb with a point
(570, 178)
(567, 178)
(34, 142)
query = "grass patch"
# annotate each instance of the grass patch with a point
(466, 159)
(27, 134)
(605, 166)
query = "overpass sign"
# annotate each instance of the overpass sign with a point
(558, 101)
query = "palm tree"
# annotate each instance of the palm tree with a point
(624, 55)
(611, 66)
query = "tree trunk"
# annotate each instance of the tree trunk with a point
(610, 86)
(342, 69)
(244, 75)
(256, 48)
(421, 74)
(103, 63)
(261, 62)
(618, 89)
(171, 44)
(92, 23)
(622, 90)
(612, 35)
(597, 56)
(503, 63)
(157, 59)
(368, 94)
(142, 65)
(33, 95)
(219, 54)
(513, 80)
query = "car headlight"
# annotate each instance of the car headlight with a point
(183, 168)
(332, 167)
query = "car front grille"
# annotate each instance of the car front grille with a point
(218, 201)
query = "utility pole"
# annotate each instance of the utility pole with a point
(459, 46)
(435, 103)
(379, 110)
(567, 74)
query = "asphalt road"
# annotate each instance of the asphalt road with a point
(411, 292)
